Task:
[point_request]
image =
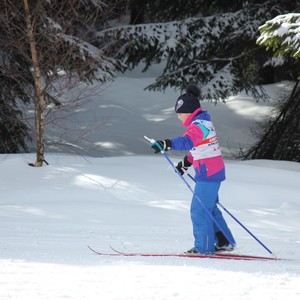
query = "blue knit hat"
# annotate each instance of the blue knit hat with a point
(188, 102)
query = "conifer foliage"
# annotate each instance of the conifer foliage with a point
(281, 35)
(279, 137)
(218, 51)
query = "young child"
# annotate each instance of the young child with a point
(205, 155)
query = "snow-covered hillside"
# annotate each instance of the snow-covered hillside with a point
(49, 215)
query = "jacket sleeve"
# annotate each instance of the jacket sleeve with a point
(192, 137)
(182, 143)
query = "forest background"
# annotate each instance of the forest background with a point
(50, 48)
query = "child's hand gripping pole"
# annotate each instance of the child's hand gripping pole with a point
(152, 141)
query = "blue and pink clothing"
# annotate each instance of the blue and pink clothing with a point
(204, 153)
(204, 150)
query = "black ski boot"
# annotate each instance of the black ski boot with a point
(223, 244)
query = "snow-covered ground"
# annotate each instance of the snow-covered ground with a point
(121, 113)
(131, 199)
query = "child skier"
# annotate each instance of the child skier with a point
(205, 155)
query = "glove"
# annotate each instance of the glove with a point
(183, 165)
(161, 146)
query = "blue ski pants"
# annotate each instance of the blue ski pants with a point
(204, 228)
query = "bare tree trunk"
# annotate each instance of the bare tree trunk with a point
(39, 102)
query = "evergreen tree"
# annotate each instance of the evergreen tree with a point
(169, 10)
(279, 136)
(13, 130)
(218, 52)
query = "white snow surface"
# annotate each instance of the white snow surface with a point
(121, 113)
(136, 203)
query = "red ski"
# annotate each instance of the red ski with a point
(231, 256)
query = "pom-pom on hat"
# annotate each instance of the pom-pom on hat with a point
(188, 102)
(193, 89)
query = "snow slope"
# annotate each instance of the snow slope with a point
(49, 215)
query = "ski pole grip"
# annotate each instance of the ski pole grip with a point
(153, 141)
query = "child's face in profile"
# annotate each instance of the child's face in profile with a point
(183, 116)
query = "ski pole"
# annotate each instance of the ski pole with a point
(152, 141)
(240, 223)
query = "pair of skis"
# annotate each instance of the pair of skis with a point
(228, 256)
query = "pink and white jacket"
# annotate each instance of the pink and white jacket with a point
(204, 150)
